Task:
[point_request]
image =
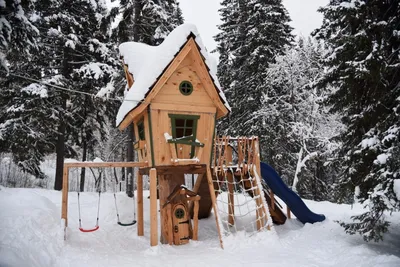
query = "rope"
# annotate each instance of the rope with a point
(245, 206)
(79, 209)
(98, 209)
(79, 204)
(116, 208)
(68, 89)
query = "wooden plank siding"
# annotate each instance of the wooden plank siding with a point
(162, 124)
(170, 100)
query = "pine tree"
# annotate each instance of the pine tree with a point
(364, 63)
(298, 132)
(148, 22)
(16, 30)
(72, 55)
(253, 34)
(227, 42)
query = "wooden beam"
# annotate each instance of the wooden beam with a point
(64, 202)
(80, 164)
(288, 214)
(272, 195)
(214, 204)
(153, 208)
(140, 220)
(170, 224)
(208, 83)
(184, 162)
(231, 199)
(165, 170)
(257, 163)
(196, 220)
(172, 149)
(185, 108)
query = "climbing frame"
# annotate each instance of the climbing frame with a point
(236, 167)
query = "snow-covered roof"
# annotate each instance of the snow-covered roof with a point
(147, 63)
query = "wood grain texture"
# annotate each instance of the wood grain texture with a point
(153, 208)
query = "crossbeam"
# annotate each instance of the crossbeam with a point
(164, 170)
(82, 164)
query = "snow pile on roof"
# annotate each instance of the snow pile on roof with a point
(146, 63)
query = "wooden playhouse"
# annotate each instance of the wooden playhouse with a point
(173, 100)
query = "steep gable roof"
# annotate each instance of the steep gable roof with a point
(148, 63)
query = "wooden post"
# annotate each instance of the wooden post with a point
(196, 220)
(64, 204)
(153, 208)
(257, 163)
(140, 221)
(231, 199)
(169, 225)
(288, 212)
(272, 196)
(214, 203)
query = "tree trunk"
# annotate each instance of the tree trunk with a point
(60, 144)
(83, 170)
(130, 157)
(123, 179)
(60, 151)
(131, 134)
(298, 168)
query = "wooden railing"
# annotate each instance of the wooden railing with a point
(177, 157)
(142, 151)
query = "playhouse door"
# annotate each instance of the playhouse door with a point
(180, 220)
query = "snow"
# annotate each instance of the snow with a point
(70, 161)
(369, 142)
(70, 44)
(381, 158)
(31, 235)
(146, 63)
(352, 4)
(3, 62)
(36, 89)
(396, 188)
(97, 159)
(167, 136)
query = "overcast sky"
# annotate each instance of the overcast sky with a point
(204, 13)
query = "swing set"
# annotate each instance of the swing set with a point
(64, 212)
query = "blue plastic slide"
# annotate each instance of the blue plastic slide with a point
(292, 200)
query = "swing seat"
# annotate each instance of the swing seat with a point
(88, 230)
(127, 224)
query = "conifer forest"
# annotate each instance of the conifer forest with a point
(326, 107)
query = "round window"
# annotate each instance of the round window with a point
(179, 213)
(186, 88)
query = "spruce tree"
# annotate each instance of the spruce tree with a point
(16, 30)
(298, 133)
(253, 34)
(363, 63)
(148, 22)
(74, 57)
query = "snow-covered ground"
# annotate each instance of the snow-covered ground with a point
(31, 235)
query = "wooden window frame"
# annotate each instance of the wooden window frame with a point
(183, 92)
(185, 140)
